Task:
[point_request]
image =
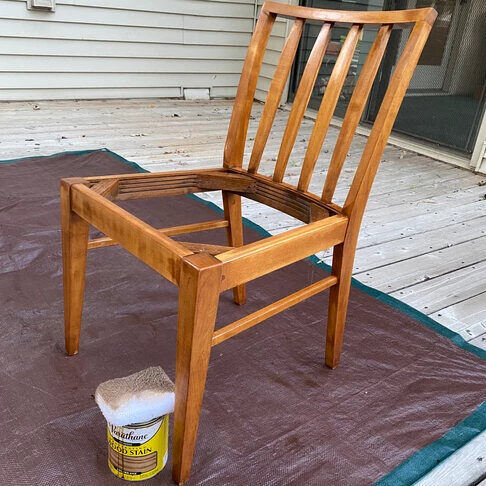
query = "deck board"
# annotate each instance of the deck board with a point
(423, 236)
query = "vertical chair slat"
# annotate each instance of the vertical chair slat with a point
(235, 140)
(363, 178)
(328, 105)
(275, 94)
(355, 110)
(301, 100)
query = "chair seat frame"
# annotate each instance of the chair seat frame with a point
(203, 271)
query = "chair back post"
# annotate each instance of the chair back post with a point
(235, 140)
(359, 191)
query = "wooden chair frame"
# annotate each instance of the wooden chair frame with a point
(202, 271)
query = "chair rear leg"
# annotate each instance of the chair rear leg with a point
(232, 213)
(198, 303)
(75, 233)
(342, 267)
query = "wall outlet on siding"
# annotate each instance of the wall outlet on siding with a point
(196, 93)
(47, 5)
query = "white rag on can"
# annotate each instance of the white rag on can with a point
(137, 398)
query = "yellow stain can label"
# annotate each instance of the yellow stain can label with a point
(138, 451)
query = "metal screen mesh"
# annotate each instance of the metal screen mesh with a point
(445, 101)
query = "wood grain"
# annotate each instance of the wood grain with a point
(301, 100)
(352, 16)
(355, 110)
(205, 247)
(262, 314)
(153, 248)
(328, 105)
(264, 256)
(75, 231)
(235, 140)
(234, 233)
(107, 188)
(275, 94)
(172, 231)
(354, 206)
(198, 304)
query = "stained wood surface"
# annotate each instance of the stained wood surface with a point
(205, 248)
(200, 276)
(269, 254)
(362, 17)
(237, 130)
(234, 233)
(75, 233)
(353, 113)
(174, 230)
(418, 206)
(260, 315)
(275, 91)
(301, 100)
(106, 188)
(328, 105)
(149, 245)
(198, 305)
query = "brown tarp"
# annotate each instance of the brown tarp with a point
(272, 413)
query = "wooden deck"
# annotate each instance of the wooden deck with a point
(423, 238)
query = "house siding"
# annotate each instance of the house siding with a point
(120, 48)
(123, 49)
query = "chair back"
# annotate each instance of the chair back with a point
(422, 21)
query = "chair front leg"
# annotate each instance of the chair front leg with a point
(342, 268)
(232, 213)
(199, 290)
(75, 233)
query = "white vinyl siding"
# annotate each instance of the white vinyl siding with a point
(126, 49)
(122, 48)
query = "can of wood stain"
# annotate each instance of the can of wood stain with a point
(138, 451)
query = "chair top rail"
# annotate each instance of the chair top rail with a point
(427, 14)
